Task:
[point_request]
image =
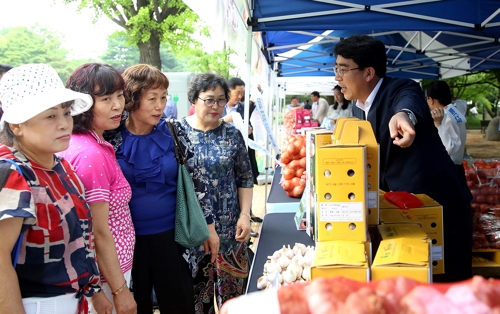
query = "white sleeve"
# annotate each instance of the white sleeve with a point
(450, 135)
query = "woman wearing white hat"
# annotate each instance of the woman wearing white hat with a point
(53, 269)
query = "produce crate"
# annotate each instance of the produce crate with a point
(483, 180)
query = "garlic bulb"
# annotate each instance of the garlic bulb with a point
(288, 277)
(289, 252)
(283, 261)
(306, 273)
(302, 247)
(262, 282)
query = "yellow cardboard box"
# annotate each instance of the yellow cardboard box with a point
(339, 185)
(407, 257)
(360, 132)
(314, 139)
(402, 230)
(340, 258)
(430, 216)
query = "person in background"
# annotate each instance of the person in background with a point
(412, 155)
(43, 200)
(307, 105)
(192, 110)
(4, 68)
(474, 111)
(219, 150)
(448, 120)
(294, 104)
(108, 192)
(341, 108)
(319, 108)
(236, 104)
(170, 111)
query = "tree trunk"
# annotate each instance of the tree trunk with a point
(150, 51)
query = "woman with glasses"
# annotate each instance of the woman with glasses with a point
(145, 152)
(218, 150)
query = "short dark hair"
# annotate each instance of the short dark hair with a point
(4, 68)
(439, 90)
(205, 82)
(365, 51)
(138, 79)
(315, 94)
(294, 97)
(235, 81)
(95, 79)
(337, 88)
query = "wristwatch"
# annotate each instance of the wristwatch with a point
(411, 116)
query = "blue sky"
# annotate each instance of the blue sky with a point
(82, 37)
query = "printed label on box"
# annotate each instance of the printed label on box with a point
(372, 199)
(333, 211)
(437, 252)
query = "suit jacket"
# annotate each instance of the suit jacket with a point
(417, 168)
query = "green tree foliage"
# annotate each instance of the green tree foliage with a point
(147, 23)
(22, 45)
(121, 56)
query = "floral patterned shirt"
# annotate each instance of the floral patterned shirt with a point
(57, 254)
(221, 160)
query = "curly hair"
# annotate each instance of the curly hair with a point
(139, 78)
(365, 51)
(95, 79)
(205, 82)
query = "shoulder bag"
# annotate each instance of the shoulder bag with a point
(191, 228)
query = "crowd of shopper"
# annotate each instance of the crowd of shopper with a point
(88, 180)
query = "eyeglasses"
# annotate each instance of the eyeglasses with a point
(211, 102)
(340, 72)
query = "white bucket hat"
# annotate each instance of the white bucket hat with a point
(30, 89)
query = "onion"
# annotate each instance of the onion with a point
(299, 172)
(285, 157)
(287, 185)
(288, 173)
(302, 163)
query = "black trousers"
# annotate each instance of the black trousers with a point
(158, 263)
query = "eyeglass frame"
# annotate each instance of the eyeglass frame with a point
(215, 102)
(343, 71)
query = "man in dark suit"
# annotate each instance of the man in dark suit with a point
(412, 156)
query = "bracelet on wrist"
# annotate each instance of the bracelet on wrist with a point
(117, 291)
(246, 214)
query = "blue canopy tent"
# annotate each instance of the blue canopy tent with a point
(424, 39)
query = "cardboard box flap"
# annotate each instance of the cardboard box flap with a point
(339, 127)
(357, 132)
(339, 254)
(402, 252)
(401, 230)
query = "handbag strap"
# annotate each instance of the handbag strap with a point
(17, 246)
(179, 154)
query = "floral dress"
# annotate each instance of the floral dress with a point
(221, 157)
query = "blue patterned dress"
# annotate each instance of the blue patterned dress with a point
(221, 157)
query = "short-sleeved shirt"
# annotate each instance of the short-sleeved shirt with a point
(57, 254)
(221, 157)
(95, 163)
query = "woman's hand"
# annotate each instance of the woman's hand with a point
(243, 228)
(437, 116)
(125, 303)
(212, 244)
(101, 303)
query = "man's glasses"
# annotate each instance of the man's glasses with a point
(211, 102)
(340, 72)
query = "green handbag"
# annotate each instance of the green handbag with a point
(191, 228)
